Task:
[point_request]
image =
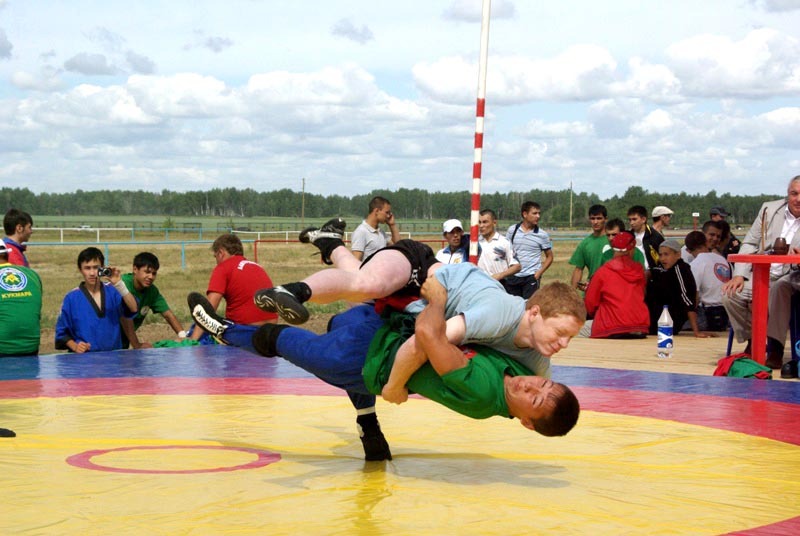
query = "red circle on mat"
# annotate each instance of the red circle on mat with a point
(84, 460)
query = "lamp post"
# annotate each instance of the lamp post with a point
(303, 204)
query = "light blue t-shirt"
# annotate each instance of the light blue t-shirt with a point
(491, 314)
(529, 248)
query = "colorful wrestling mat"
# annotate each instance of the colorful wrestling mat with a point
(213, 440)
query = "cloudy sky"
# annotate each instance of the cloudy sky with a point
(354, 95)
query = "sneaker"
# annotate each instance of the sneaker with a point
(281, 301)
(5, 432)
(333, 228)
(206, 317)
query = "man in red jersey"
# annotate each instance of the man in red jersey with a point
(236, 280)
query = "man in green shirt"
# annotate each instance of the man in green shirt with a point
(589, 253)
(20, 308)
(358, 352)
(140, 283)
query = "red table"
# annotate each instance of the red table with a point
(761, 264)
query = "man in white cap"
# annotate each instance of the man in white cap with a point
(457, 248)
(661, 218)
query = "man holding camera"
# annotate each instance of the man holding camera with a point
(91, 312)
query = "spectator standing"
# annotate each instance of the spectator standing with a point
(368, 237)
(711, 271)
(615, 295)
(457, 248)
(20, 307)
(533, 249)
(776, 219)
(646, 240)
(18, 226)
(589, 253)
(496, 256)
(141, 283)
(661, 218)
(90, 314)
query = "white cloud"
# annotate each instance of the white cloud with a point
(5, 45)
(581, 72)
(90, 64)
(778, 6)
(107, 39)
(217, 43)
(600, 94)
(214, 43)
(140, 64)
(471, 10)
(764, 63)
(47, 79)
(347, 29)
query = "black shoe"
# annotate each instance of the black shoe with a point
(265, 339)
(327, 238)
(281, 301)
(206, 317)
(5, 432)
(789, 370)
(774, 359)
(376, 448)
(330, 229)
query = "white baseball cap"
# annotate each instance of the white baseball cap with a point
(449, 225)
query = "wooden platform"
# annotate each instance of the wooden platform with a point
(691, 355)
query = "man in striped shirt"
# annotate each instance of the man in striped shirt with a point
(533, 249)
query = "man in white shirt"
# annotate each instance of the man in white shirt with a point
(497, 256)
(368, 237)
(776, 219)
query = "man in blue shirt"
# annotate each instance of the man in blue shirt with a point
(533, 249)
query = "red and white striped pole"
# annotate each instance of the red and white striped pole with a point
(479, 114)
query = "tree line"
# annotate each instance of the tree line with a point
(408, 204)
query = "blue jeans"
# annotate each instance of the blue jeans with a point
(338, 356)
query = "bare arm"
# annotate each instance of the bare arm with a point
(393, 228)
(127, 298)
(513, 269)
(693, 322)
(410, 357)
(130, 333)
(577, 274)
(358, 254)
(548, 260)
(431, 331)
(173, 321)
(78, 347)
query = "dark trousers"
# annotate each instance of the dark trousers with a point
(524, 287)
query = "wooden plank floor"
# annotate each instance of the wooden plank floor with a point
(690, 356)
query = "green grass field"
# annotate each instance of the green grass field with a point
(186, 267)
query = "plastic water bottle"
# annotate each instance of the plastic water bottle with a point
(665, 334)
